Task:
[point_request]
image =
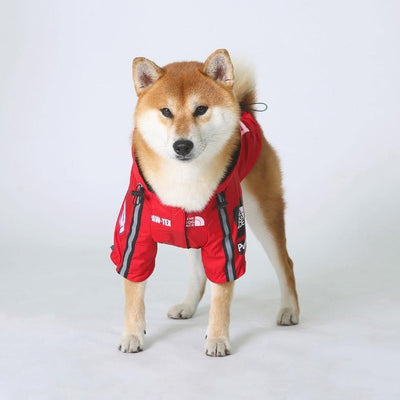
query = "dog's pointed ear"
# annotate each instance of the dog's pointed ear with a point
(219, 67)
(145, 74)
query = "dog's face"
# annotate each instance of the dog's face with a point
(186, 111)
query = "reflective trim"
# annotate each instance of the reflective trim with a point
(227, 242)
(133, 233)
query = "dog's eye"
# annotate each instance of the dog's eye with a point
(200, 110)
(166, 112)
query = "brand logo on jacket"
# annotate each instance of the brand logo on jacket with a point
(240, 218)
(243, 128)
(122, 219)
(242, 246)
(194, 221)
(161, 221)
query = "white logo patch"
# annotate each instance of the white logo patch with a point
(161, 221)
(242, 247)
(122, 220)
(194, 221)
(243, 128)
(241, 220)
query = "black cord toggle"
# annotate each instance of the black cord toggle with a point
(257, 107)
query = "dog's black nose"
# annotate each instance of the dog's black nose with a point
(183, 147)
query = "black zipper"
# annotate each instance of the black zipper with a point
(186, 235)
(138, 194)
(227, 242)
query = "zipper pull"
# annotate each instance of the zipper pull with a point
(138, 193)
(221, 200)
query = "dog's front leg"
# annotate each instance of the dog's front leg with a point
(135, 325)
(217, 339)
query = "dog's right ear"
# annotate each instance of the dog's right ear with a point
(145, 74)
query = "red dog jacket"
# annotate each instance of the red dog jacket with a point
(219, 229)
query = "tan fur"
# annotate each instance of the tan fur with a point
(181, 82)
(264, 183)
(217, 341)
(181, 87)
(135, 326)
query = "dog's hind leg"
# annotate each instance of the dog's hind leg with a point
(264, 206)
(195, 291)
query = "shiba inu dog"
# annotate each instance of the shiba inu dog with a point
(200, 164)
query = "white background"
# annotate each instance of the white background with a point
(329, 72)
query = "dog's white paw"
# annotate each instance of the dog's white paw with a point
(287, 316)
(181, 311)
(131, 343)
(218, 347)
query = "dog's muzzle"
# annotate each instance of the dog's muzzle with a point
(182, 148)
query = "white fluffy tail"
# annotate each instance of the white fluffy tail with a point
(245, 82)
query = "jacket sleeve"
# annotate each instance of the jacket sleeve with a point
(134, 250)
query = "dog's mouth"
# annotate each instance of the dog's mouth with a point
(188, 157)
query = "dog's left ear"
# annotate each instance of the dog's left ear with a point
(145, 74)
(219, 67)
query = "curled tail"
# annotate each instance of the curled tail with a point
(245, 85)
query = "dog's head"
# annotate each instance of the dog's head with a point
(186, 110)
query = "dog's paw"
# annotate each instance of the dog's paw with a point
(287, 316)
(218, 347)
(181, 311)
(131, 343)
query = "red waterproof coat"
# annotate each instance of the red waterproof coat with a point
(218, 230)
